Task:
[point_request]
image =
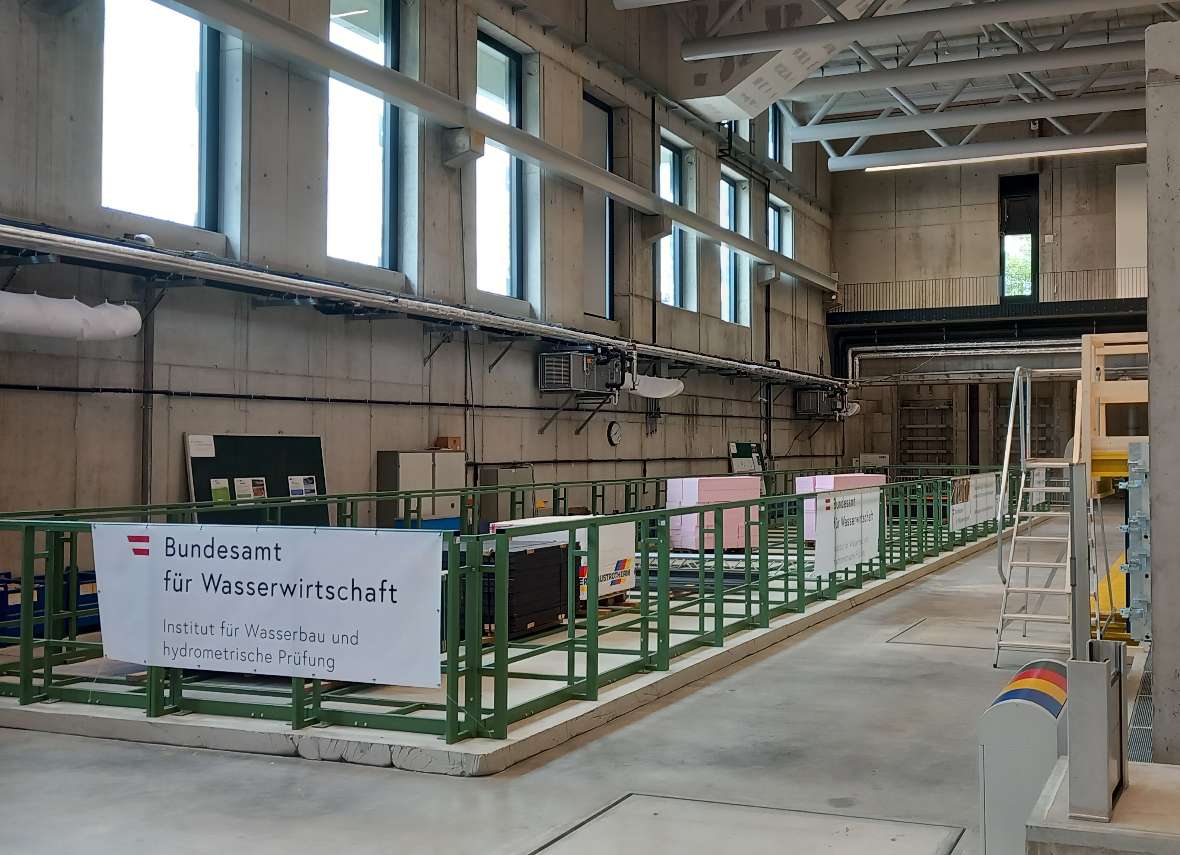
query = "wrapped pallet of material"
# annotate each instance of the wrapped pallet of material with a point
(683, 529)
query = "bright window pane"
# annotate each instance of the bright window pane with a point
(670, 190)
(774, 228)
(728, 194)
(596, 212)
(494, 180)
(356, 143)
(150, 111)
(1018, 265)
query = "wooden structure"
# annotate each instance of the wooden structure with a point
(1111, 405)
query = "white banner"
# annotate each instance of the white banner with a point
(847, 529)
(973, 500)
(359, 605)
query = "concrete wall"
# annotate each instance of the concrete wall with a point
(880, 425)
(942, 222)
(227, 362)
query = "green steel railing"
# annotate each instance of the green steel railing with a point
(683, 600)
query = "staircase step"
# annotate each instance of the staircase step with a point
(1040, 538)
(1038, 563)
(1048, 489)
(1043, 513)
(1065, 591)
(1046, 463)
(1028, 645)
(1021, 617)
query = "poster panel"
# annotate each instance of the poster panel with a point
(360, 605)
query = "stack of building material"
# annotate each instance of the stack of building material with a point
(537, 573)
(683, 529)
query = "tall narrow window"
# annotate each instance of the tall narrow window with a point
(778, 136)
(597, 212)
(672, 247)
(774, 133)
(1018, 237)
(779, 228)
(499, 178)
(362, 132)
(159, 117)
(729, 258)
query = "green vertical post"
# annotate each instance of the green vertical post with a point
(701, 529)
(572, 594)
(49, 609)
(155, 691)
(592, 610)
(72, 571)
(453, 635)
(800, 557)
(472, 636)
(883, 534)
(718, 578)
(663, 596)
(298, 704)
(500, 656)
(28, 548)
(645, 530)
(764, 516)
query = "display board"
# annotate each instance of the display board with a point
(225, 467)
(973, 500)
(746, 457)
(361, 605)
(847, 529)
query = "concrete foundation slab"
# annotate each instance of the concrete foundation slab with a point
(642, 823)
(1146, 817)
(425, 753)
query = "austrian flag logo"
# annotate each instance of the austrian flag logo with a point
(139, 543)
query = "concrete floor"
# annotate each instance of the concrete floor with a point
(839, 720)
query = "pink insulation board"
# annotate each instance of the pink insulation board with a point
(687, 492)
(826, 484)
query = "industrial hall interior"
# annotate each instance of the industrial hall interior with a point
(553, 427)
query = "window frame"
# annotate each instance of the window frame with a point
(390, 257)
(609, 284)
(729, 185)
(774, 140)
(780, 212)
(516, 274)
(1013, 187)
(678, 236)
(209, 128)
(208, 216)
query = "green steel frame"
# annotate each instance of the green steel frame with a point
(665, 616)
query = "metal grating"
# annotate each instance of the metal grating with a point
(555, 371)
(1139, 733)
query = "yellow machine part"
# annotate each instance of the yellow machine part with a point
(1109, 464)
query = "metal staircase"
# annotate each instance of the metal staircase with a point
(1037, 604)
(1036, 572)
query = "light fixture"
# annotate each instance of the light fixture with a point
(952, 161)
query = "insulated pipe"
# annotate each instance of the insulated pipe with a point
(290, 43)
(1011, 149)
(889, 26)
(990, 66)
(149, 259)
(988, 114)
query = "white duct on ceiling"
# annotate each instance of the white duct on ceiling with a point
(32, 314)
(646, 386)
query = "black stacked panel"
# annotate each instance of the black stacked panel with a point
(536, 590)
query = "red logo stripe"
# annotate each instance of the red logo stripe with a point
(138, 538)
(139, 551)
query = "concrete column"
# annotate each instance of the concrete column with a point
(1163, 324)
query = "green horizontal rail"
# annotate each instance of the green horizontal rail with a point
(683, 601)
